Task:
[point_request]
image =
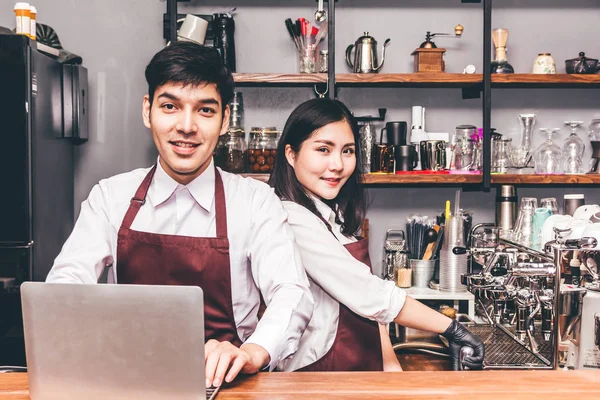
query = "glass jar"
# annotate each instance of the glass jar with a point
(500, 155)
(262, 149)
(234, 155)
(219, 152)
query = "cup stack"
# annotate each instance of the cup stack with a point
(452, 266)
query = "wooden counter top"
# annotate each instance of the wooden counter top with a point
(488, 385)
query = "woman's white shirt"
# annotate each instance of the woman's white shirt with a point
(335, 277)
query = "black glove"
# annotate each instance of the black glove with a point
(458, 337)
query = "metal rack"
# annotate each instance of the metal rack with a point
(477, 88)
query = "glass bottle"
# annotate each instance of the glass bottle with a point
(500, 65)
(234, 153)
(594, 135)
(523, 228)
(262, 149)
(236, 109)
(500, 155)
(547, 158)
(573, 149)
(521, 155)
(323, 61)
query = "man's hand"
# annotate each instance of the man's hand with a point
(224, 358)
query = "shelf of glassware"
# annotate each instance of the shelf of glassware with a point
(546, 179)
(543, 80)
(399, 179)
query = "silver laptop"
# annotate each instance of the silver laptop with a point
(114, 341)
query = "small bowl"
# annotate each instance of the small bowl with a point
(582, 65)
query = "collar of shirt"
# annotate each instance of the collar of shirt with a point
(202, 188)
(324, 210)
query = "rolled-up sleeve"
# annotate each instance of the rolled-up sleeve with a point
(90, 247)
(337, 272)
(278, 272)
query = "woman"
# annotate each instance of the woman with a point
(317, 176)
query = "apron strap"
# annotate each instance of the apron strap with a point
(326, 224)
(139, 199)
(220, 206)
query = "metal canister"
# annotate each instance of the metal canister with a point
(506, 207)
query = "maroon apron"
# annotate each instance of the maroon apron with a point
(357, 343)
(154, 259)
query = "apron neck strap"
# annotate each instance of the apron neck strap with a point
(139, 200)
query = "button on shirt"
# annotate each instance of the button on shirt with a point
(335, 277)
(262, 251)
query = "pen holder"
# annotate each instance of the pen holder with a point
(308, 58)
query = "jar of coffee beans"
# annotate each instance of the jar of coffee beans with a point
(234, 155)
(262, 149)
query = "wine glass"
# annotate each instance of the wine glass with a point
(547, 157)
(573, 149)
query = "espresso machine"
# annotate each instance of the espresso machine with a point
(533, 310)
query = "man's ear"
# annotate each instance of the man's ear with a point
(290, 155)
(225, 125)
(146, 106)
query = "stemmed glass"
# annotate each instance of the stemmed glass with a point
(573, 149)
(547, 157)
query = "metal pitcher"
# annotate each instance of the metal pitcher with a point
(365, 55)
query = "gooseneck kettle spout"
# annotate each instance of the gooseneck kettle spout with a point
(377, 68)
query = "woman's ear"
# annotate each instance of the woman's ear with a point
(290, 155)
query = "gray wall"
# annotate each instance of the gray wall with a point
(116, 38)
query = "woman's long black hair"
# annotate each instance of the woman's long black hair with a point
(307, 118)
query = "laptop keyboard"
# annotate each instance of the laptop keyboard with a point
(211, 392)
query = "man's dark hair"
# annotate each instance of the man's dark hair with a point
(309, 116)
(189, 63)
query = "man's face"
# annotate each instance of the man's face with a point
(186, 122)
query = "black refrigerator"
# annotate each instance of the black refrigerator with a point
(43, 115)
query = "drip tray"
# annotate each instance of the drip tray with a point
(504, 352)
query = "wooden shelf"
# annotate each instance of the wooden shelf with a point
(391, 80)
(534, 179)
(549, 81)
(273, 79)
(390, 179)
(421, 79)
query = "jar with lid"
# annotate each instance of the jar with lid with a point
(234, 154)
(262, 149)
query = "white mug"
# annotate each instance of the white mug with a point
(586, 211)
(193, 29)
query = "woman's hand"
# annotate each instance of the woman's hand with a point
(458, 337)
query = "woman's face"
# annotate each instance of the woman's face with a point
(325, 160)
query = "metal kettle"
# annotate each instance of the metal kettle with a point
(365, 55)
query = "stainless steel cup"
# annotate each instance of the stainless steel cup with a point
(433, 155)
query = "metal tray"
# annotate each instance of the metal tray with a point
(504, 352)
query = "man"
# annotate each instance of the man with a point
(183, 222)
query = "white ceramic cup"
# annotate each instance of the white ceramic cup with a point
(586, 211)
(553, 221)
(193, 29)
(578, 226)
